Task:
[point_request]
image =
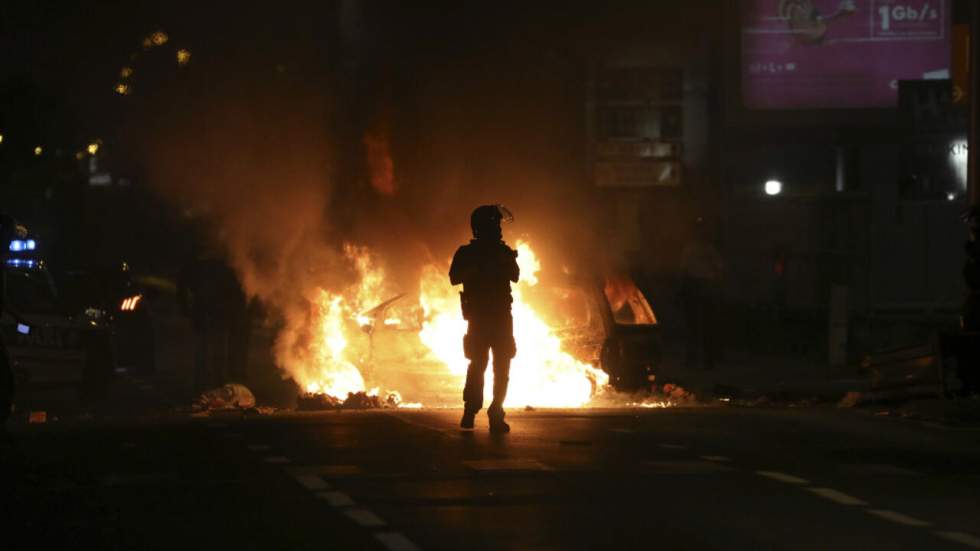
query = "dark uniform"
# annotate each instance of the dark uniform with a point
(486, 267)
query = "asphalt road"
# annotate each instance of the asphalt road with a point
(689, 478)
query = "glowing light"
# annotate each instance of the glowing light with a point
(950, 196)
(183, 56)
(122, 89)
(1, 138)
(958, 153)
(93, 148)
(159, 38)
(329, 352)
(38, 150)
(125, 72)
(542, 374)
(774, 187)
(129, 303)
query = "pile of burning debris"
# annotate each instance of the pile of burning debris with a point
(318, 401)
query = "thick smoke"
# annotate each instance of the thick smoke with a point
(288, 161)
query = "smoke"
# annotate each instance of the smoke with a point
(289, 161)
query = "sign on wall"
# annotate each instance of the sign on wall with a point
(817, 54)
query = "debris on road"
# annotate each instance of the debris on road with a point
(230, 396)
(314, 401)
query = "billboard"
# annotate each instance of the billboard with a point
(840, 54)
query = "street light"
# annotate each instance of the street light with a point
(774, 187)
(37, 151)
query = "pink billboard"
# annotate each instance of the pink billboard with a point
(817, 54)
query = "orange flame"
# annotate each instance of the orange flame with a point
(338, 355)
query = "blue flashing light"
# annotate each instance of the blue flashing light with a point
(23, 329)
(18, 245)
(20, 263)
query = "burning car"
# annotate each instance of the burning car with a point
(577, 336)
(570, 330)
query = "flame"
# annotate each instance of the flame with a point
(542, 374)
(338, 354)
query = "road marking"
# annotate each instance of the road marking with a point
(336, 499)
(718, 458)
(311, 481)
(684, 467)
(961, 537)
(394, 541)
(507, 465)
(673, 446)
(258, 447)
(899, 518)
(837, 496)
(277, 459)
(783, 477)
(364, 517)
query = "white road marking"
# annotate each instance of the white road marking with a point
(961, 537)
(783, 477)
(507, 465)
(898, 517)
(837, 496)
(718, 458)
(336, 499)
(684, 467)
(673, 446)
(394, 541)
(277, 459)
(311, 481)
(364, 517)
(257, 447)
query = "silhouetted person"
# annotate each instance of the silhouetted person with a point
(486, 267)
(210, 295)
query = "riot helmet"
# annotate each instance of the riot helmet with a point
(485, 221)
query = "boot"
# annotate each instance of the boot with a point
(497, 423)
(467, 421)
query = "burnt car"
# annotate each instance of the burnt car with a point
(602, 320)
(608, 322)
(50, 342)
